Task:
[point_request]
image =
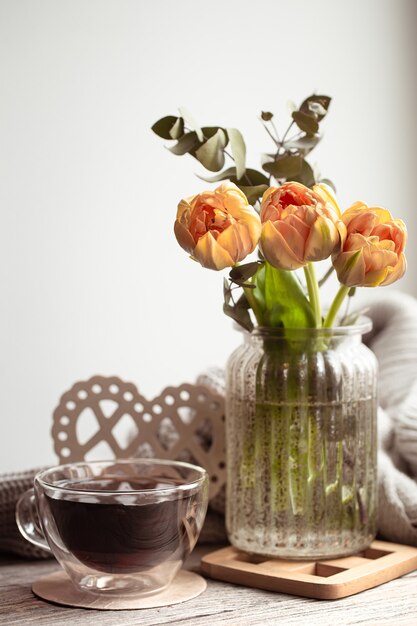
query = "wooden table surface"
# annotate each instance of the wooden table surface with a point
(394, 603)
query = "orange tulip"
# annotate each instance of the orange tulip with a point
(299, 225)
(373, 253)
(217, 228)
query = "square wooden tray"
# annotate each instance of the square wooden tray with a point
(322, 579)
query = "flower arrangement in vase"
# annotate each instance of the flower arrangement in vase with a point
(301, 390)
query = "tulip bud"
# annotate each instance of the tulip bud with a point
(299, 225)
(217, 228)
(373, 252)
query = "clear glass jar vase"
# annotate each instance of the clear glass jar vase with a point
(301, 442)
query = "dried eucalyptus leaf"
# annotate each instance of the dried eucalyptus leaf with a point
(323, 101)
(306, 122)
(304, 144)
(317, 109)
(227, 292)
(209, 131)
(191, 122)
(163, 126)
(238, 148)
(229, 173)
(211, 154)
(239, 315)
(244, 272)
(243, 302)
(177, 130)
(286, 166)
(306, 176)
(253, 192)
(185, 144)
(252, 178)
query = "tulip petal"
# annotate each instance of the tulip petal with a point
(350, 268)
(396, 272)
(184, 208)
(327, 194)
(375, 278)
(322, 240)
(230, 240)
(184, 237)
(211, 255)
(276, 249)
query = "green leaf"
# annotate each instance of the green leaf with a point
(306, 175)
(304, 144)
(211, 154)
(322, 101)
(286, 166)
(306, 122)
(285, 302)
(177, 130)
(238, 147)
(253, 192)
(163, 126)
(185, 144)
(191, 122)
(267, 116)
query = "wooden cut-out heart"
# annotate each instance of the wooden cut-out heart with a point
(110, 416)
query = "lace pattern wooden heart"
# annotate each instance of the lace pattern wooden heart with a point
(105, 417)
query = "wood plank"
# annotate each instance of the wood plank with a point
(222, 604)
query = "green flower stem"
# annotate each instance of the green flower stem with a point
(254, 305)
(336, 304)
(313, 292)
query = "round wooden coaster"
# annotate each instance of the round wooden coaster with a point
(58, 588)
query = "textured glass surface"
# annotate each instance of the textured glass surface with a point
(301, 443)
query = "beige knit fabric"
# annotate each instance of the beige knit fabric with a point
(394, 342)
(12, 486)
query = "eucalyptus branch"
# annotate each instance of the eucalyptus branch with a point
(275, 130)
(286, 133)
(275, 140)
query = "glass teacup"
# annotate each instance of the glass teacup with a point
(117, 527)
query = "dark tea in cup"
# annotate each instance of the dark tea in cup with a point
(121, 527)
(123, 535)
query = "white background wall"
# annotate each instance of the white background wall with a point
(92, 278)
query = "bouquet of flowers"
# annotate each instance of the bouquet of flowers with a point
(288, 213)
(301, 392)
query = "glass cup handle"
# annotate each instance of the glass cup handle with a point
(28, 522)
